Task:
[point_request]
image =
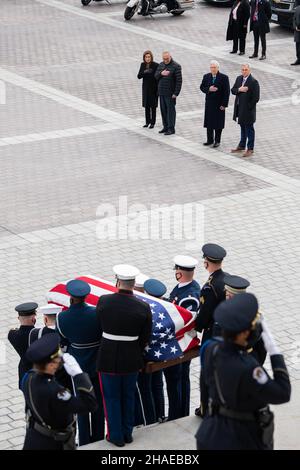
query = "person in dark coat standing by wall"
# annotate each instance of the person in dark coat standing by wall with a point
(259, 23)
(237, 25)
(216, 87)
(126, 323)
(296, 23)
(147, 73)
(246, 90)
(169, 78)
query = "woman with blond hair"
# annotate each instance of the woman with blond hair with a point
(147, 70)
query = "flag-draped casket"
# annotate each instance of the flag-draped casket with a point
(172, 327)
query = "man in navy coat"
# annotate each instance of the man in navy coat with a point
(216, 87)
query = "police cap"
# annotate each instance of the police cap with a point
(213, 252)
(235, 284)
(45, 349)
(26, 309)
(237, 314)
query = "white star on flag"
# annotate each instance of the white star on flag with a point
(161, 316)
(170, 336)
(163, 345)
(157, 354)
(159, 325)
(174, 349)
(147, 348)
(162, 335)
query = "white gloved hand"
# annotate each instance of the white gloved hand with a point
(71, 365)
(268, 339)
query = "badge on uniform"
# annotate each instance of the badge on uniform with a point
(260, 375)
(64, 395)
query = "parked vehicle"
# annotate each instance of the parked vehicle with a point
(155, 7)
(283, 12)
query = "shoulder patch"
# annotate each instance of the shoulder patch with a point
(64, 395)
(260, 375)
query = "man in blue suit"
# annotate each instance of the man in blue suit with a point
(79, 330)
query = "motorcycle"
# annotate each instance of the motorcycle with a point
(156, 7)
(87, 2)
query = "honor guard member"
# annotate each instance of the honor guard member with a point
(185, 294)
(150, 401)
(79, 331)
(240, 390)
(49, 311)
(50, 406)
(126, 323)
(212, 292)
(139, 282)
(18, 337)
(236, 285)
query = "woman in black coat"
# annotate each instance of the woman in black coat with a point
(259, 23)
(237, 25)
(147, 73)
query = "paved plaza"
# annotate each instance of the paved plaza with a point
(71, 140)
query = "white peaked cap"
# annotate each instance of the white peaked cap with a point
(125, 272)
(141, 279)
(50, 309)
(185, 261)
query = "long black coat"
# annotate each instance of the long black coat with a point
(242, 18)
(264, 15)
(150, 95)
(245, 103)
(214, 118)
(122, 314)
(296, 23)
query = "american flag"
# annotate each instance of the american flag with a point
(172, 326)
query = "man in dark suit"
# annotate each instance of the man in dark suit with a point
(216, 87)
(246, 90)
(259, 23)
(18, 337)
(126, 323)
(296, 23)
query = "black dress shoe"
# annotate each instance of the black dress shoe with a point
(253, 56)
(263, 57)
(116, 443)
(146, 125)
(151, 126)
(296, 63)
(241, 53)
(169, 132)
(128, 439)
(162, 131)
(216, 144)
(207, 143)
(232, 52)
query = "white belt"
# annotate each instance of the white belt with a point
(119, 338)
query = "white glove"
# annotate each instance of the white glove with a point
(269, 340)
(71, 365)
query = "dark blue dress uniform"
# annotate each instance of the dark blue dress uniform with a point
(50, 406)
(126, 323)
(212, 292)
(18, 337)
(240, 390)
(80, 333)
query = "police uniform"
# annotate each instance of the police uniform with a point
(240, 390)
(212, 292)
(177, 377)
(80, 332)
(18, 337)
(50, 406)
(150, 401)
(126, 323)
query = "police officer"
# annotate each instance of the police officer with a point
(18, 337)
(50, 406)
(186, 294)
(49, 312)
(150, 401)
(79, 331)
(236, 285)
(240, 390)
(126, 323)
(212, 292)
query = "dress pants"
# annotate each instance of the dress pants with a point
(158, 394)
(185, 388)
(173, 380)
(237, 39)
(258, 34)
(118, 392)
(150, 115)
(150, 402)
(168, 112)
(247, 136)
(214, 135)
(298, 50)
(91, 425)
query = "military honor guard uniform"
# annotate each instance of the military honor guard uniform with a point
(240, 390)
(48, 310)
(212, 292)
(150, 401)
(80, 332)
(139, 282)
(50, 406)
(18, 337)
(126, 323)
(186, 294)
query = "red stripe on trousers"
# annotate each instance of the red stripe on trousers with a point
(104, 403)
